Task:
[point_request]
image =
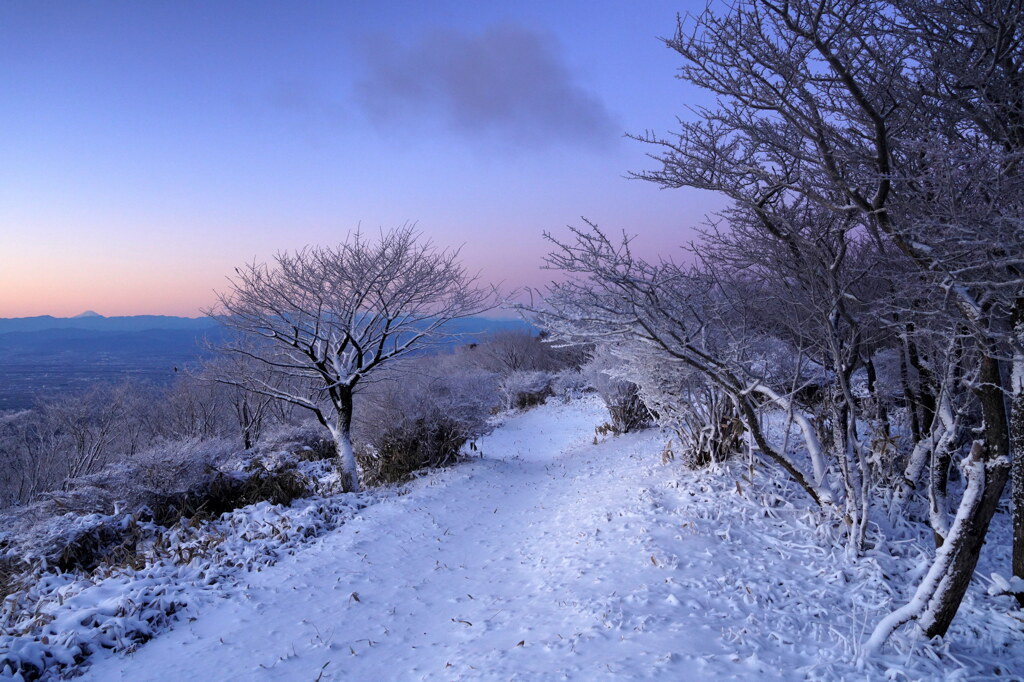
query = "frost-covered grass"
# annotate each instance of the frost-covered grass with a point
(548, 557)
(62, 618)
(119, 555)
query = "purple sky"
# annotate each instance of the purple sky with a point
(148, 148)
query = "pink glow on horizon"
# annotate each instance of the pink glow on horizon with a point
(157, 147)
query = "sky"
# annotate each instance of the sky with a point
(149, 148)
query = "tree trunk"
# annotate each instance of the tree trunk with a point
(245, 420)
(966, 537)
(1017, 442)
(908, 391)
(925, 383)
(993, 408)
(347, 468)
(881, 413)
(938, 483)
(939, 595)
(749, 416)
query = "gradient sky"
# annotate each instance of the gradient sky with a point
(148, 148)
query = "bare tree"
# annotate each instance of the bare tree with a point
(683, 315)
(250, 411)
(514, 351)
(86, 428)
(324, 318)
(904, 118)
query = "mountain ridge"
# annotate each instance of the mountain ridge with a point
(99, 322)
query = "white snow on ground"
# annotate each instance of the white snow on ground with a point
(554, 558)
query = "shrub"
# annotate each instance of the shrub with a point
(626, 409)
(308, 442)
(426, 443)
(705, 420)
(522, 390)
(570, 384)
(95, 520)
(420, 417)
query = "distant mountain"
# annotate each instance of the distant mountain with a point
(138, 323)
(55, 346)
(485, 325)
(96, 322)
(46, 355)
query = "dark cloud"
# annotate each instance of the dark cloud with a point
(507, 81)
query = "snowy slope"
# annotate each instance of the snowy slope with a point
(553, 558)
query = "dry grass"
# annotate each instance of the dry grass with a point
(404, 450)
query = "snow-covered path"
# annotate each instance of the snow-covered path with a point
(548, 558)
(493, 569)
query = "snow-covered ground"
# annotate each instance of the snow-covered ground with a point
(553, 558)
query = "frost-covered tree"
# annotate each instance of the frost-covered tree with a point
(517, 350)
(322, 319)
(872, 154)
(682, 315)
(903, 116)
(969, 72)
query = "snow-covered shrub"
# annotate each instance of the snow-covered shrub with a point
(426, 443)
(305, 442)
(570, 384)
(420, 416)
(705, 421)
(522, 390)
(504, 353)
(626, 408)
(56, 620)
(155, 531)
(93, 521)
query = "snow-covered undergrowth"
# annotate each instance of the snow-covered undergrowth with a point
(548, 557)
(142, 575)
(62, 618)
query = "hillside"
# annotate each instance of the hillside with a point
(549, 557)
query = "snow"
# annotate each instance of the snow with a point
(551, 557)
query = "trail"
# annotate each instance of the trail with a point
(547, 558)
(512, 566)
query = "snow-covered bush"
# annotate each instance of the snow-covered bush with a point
(109, 560)
(305, 442)
(626, 408)
(93, 520)
(56, 619)
(522, 390)
(403, 449)
(570, 384)
(508, 352)
(703, 418)
(420, 416)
